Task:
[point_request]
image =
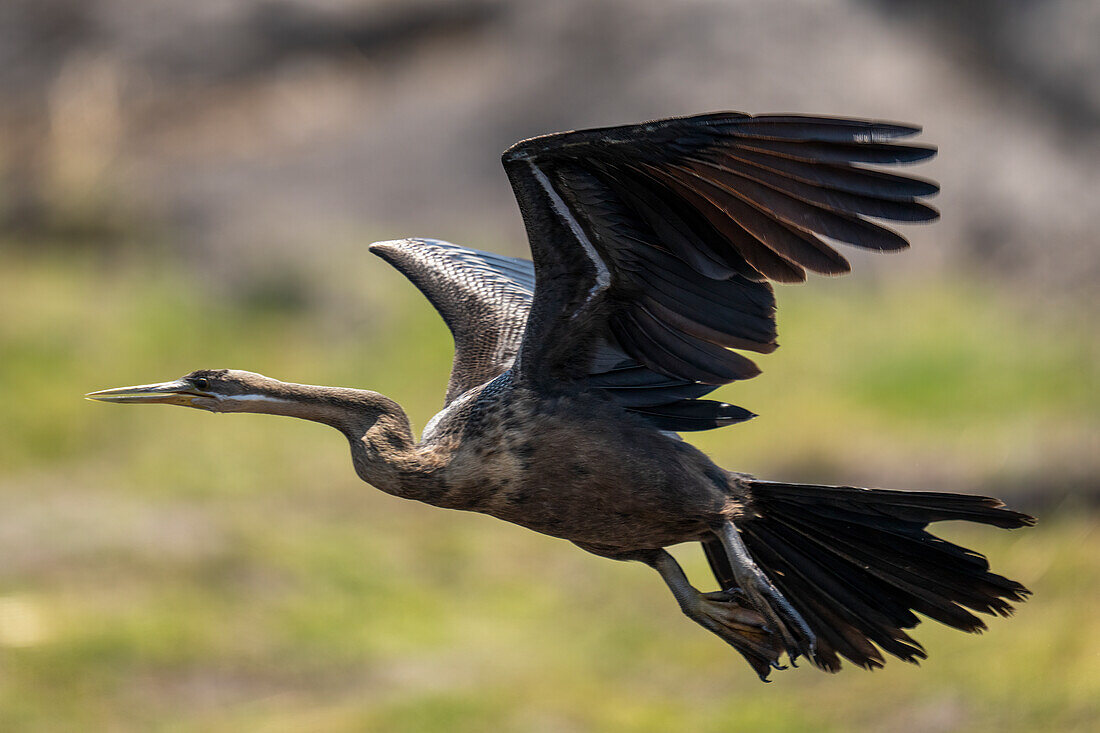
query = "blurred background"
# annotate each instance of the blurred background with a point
(193, 185)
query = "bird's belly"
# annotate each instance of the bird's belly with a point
(577, 514)
(611, 485)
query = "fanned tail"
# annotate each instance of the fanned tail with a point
(857, 563)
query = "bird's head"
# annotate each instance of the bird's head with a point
(216, 390)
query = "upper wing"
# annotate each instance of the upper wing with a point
(658, 239)
(483, 298)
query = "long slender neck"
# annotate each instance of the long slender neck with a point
(383, 450)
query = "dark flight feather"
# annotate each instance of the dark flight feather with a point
(730, 197)
(686, 218)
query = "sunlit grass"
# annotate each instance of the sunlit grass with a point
(167, 569)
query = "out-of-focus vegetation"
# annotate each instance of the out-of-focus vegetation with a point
(169, 569)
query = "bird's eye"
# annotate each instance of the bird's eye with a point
(201, 382)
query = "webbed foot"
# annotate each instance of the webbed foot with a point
(730, 614)
(743, 628)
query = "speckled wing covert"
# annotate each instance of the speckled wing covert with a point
(483, 298)
(660, 238)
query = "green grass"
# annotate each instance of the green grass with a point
(168, 569)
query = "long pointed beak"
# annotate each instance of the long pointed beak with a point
(165, 393)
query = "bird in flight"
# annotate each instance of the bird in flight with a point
(654, 247)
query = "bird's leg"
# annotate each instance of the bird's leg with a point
(720, 612)
(762, 595)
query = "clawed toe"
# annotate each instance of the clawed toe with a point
(743, 628)
(730, 613)
(779, 615)
(745, 617)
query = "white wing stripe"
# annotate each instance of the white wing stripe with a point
(603, 277)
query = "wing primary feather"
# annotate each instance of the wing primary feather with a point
(836, 200)
(840, 226)
(761, 257)
(669, 226)
(824, 129)
(844, 153)
(840, 177)
(791, 245)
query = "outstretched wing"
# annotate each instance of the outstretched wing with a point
(658, 240)
(483, 298)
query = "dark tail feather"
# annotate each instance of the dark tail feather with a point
(857, 563)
